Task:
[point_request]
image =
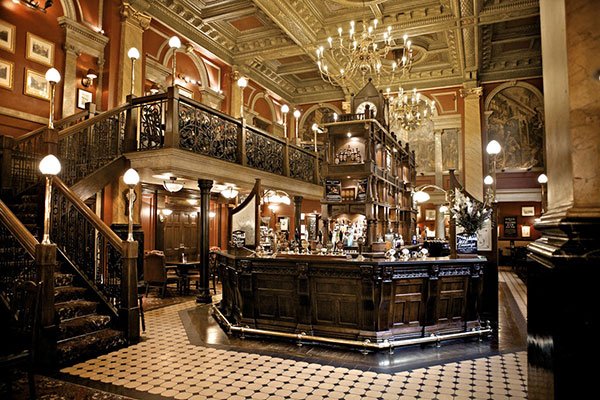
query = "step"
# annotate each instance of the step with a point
(87, 346)
(74, 309)
(82, 326)
(61, 279)
(66, 293)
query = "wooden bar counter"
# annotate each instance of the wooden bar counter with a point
(347, 299)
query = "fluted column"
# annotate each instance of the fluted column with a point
(473, 179)
(203, 237)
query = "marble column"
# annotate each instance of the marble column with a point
(563, 280)
(203, 237)
(133, 25)
(473, 176)
(236, 94)
(70, 79)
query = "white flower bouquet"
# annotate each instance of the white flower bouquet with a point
(467, 213)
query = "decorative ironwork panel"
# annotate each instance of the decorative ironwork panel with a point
(86, 248)
(15, 263)
(264, 153)
(91, 148)
(207, 134)
(302, 165)
(26, 157)
(152, 125)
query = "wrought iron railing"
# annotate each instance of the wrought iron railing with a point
(88, 244)
(264, 152)
(152, 120)
(302, 164)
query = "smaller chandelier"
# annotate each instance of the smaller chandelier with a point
(410, 109)
(362, 54)
(229, 193)
(172, 185)
(276, 197)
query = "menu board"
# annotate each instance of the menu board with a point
(466, 244)
(510, 227)
(238, 238)
(333, 190)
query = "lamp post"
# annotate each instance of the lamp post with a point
(133, 55)
(315, 128)
(285, 109)
(131, 179)
(174, 43)
(488, 181)
(49, 167)
(543, 180)
(493, 149)
(53, 77)
(242, 83)
(297, 114)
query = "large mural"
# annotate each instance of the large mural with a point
(422, 141)
(515, 118)
(450, 149)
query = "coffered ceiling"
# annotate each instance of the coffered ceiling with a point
(456, 42)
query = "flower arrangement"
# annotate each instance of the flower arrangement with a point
(469, 214)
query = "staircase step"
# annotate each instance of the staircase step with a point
(82, 326)
(74, 309)
(62, 279)
(66, 293)
(82, 347)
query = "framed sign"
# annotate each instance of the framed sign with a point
(510, 227)
(466, 244)
(7, 36)
(39, 50)
(6, 74)
(528, 211)
(83, 97)
(36, 85)
(429, 215)
(361, 192)
(284, 223)
(333, 190)
(525, 231)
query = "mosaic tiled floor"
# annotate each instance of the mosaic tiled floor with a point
(166, 365)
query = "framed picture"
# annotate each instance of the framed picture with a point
(528, 211)
(36, 85)
(7, 36)
(525, 231)
(348, 193)
(185, 92)
(39, 50)
(284, 223)
(6, 74)
(429, 215)
(83, 97)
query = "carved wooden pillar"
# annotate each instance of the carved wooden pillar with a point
(45, 256)
(129, 311)
(6, 146)
(203, 237)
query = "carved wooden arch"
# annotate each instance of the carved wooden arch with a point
(510, 84)
(262, 95)
(311, 109)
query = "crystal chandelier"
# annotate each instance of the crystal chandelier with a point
(410, 109)
(362, 54)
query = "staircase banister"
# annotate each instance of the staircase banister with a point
(95, 220)
(57, 125)
(89, 122)
(16, 227)
(136, 101)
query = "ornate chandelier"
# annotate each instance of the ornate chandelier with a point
(362, 54)
(410, 109)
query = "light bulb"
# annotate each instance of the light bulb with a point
(297, 114)
(50, 165)
(174, 42)
(488, 180)
(242, 82)
(133, 53)
(493, 148)
(52, 75)
(285, 109)
(542, 178)
(131, 177)
(421, 196)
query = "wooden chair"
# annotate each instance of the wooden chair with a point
(213, 267)
(18, 349)
(155, 273)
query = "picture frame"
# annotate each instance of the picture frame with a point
(83, 97)
(36, 85)
(525, 231)
(284, 223)
(6, 74)
(39, 50)
(348, 194)
(429, 215)
(527, 211)
(7, 36)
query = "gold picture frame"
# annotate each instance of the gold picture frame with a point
(7, 36)
(39, 50)
(430, 215)
(527, 211)
(83, 97)
(7, 69)
(36, 85)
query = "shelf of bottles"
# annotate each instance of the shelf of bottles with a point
(368, 176)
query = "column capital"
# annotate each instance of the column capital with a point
(135, 17)
(205, 185)
(471, 93)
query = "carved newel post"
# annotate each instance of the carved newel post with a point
(204, 293)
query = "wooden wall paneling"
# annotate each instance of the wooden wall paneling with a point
(276, 296)
(408, 308)
(452, 299)
(336, 302)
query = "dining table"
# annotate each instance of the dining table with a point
(182, 269)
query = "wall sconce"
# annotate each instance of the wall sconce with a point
(88, 79)
(133, 55)
(175, 44)
(53, 77)
(164, 214)
(543, 180)
(297, 114)
(242, 83)
(493, 148)
(35, 5)
(285, 109)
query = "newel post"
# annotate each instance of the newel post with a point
(6, 146)
(129, 312)
(50, 141)
(45, 259)
(131, 126)
(172, 118)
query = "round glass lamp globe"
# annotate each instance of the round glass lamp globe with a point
(443, 208)
(52, 75)
(315, 127)
(285, 109)
(131, 177)
(297, 114)
(542, 178)
(421, 196)
(174, 42)
(133, 53)
(493, 147)
(488, 180)
(50, 165)
(242, 82)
